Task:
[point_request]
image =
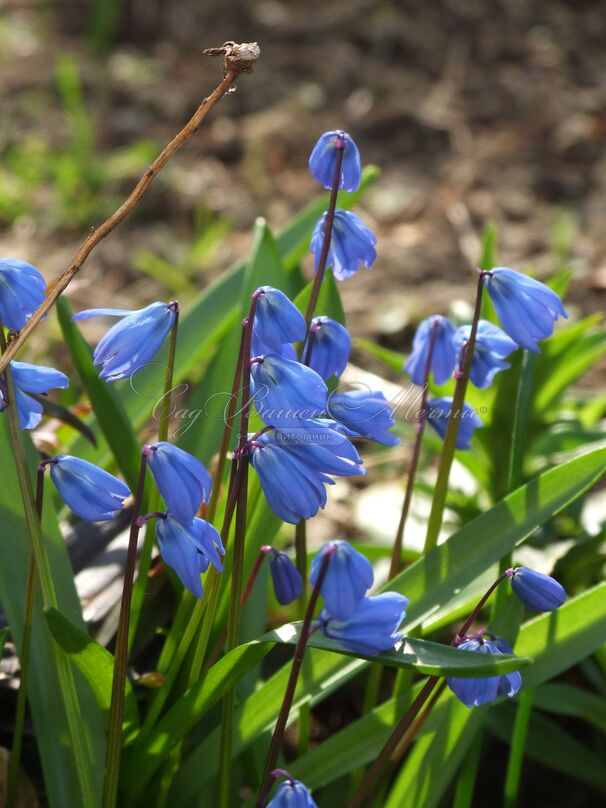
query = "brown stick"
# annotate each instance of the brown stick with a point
(237, 59)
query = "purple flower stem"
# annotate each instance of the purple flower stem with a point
(278, 734)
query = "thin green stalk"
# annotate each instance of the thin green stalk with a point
(69, 695)
(518, 746)
(436, 516)
(466, 780)
(24, 657)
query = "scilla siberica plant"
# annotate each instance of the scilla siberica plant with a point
(293, 428)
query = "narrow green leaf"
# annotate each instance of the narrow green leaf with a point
(563, 699)
(329, 301)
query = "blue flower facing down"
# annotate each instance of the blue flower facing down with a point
(444, 355)
(526, 308)
(182, 480)
(284, 390)
(364, 414)
(189, 548)
(277, 320)
(36, 379)
(351, 245)
(372, 628)
(292, 794)
(293, 468)
(438, 413)
(492, 347)
(537, 591)
(134, 341)
(22, 289)
(475, 692)
(348, 578)
(286, 578)
(330, 347)
(323, 159)
(92, 493)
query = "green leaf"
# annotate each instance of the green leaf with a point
(563, 699)
(4, 634)
(392, 359)
(329, 300)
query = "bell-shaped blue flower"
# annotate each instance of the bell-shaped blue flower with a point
(292, 794)
(91, 492)
(182, 480)
(372, 628)
(22, 289)
(438, 413)
(444, 354)
(286, 578)
(351, 245)
(293, 468)
(364, 414)
(330, 347)
(189, 548)
(285, 389)
(134, 341)
(36, 379)
(348, 578)
(537, 591)
(475, 692)
(277, 321)
(492, 347)
(526, 308)
(324, 156)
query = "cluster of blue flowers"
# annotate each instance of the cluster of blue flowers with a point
(527, 310)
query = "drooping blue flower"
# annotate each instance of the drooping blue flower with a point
(277, 320)
(526, 308)
(492, 347)
(365, 414)
(285, 390)
(351, 245)
(36, 379)
(182, 480)
(537, 591)
(292, 794)
(91, 492)
(134, 341)
(330, 347)
(286, 578)
(348, 578)
(372, 628)
(189, 548)
(22, 289)
(438, 413)
(474, 692)
(323, 159)
(444, 355)
(293, 468)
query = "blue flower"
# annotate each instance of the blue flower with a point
(438, 413)
(365, 414)
(277, 320)
(293, 468)
(348, 578)
(444, 355)
(492, 346)
(474, 692)
(92, 493)
(323, 159)
(372, 628)
(286, 578)
(292, 794)
(22, 289)
(330, 347)
(132, 342)
(182, 480)
(285, 389)
(351, 244)
(538, 592)
(36, 379)
(526, 308)
(189, 548)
